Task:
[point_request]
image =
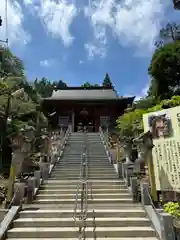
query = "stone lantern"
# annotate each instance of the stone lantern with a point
(145, 143)
(140, 161)
(17, 154)
(126, 144)
(27, 146)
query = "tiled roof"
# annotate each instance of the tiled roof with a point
(84, 94)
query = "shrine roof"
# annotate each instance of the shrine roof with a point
(82, 94)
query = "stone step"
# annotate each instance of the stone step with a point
(90, 159)
(94, 196)
(92, 169)
(119, 238)
(95, 163)
(91, 207)
(73, 190)
(77, 170)
(89, 177)
(71, 232)
(70, 205)
(94, 187)
(72, 164)
(76, 165)
(62, 175)
(89, 174)
(90, 201)
(69, 222)
(93, 182)
(76, 174)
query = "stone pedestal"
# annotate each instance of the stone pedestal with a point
(44, 168)
(19, 189)
(37, 175)
(31, 189)
(120, 170)
(17, 160)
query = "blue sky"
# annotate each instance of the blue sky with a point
(80, 40)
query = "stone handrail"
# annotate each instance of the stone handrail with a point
(7, 221)
(162, 222)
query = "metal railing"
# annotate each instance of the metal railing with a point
(93, 215)
(81, 199)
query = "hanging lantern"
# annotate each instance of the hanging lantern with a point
(84, 112)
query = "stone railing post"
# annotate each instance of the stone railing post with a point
(163, 221)
(134, 188)
(31, 189)
(167, 226)
(145, 197)
(19, 189)
(129, 170)
(37, 175)
(120, 170)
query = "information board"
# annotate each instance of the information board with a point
(165, 128)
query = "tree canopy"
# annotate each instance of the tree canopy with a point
(107, 81)
(24, 96)
(88, 85)
(10, 64)
(131, 124)
(170, 33)
(165, 71)
(164, 89)
(44, 87)
(60, 85)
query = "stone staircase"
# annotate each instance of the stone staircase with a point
(111, 212)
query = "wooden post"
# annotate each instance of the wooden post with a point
(152, 176)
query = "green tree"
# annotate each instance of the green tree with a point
(61, 85)
(10, 64)
(86, 85)
(130, 124)
(95, 85)
(165, 71)
(171, 33)
(146, 102)
(107, 81)
(44, 87)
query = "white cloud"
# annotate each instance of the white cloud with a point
(15, 31)
(143, 92)
(26, 2)
(81, 62)
(100, 15)
(56, 17)
(46, 63)
(94, 50)
(135, 22)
